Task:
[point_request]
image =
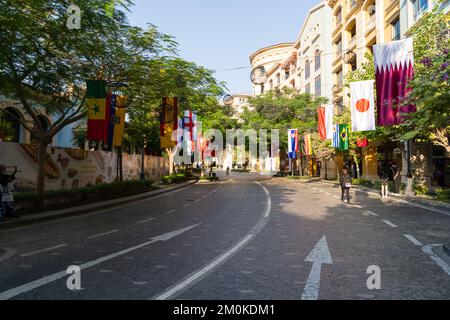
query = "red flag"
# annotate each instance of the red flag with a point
(322, 125)
(362, 142)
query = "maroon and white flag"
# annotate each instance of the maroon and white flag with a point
(394, 67)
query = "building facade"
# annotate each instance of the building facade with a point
(303, 65)
(238, 101)
(268, 58)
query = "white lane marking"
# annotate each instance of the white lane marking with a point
(97, 211)
(146, 220)
(319, 255)
(366, 214)
(372, 213)
(170, 211)
(390, 223)
(447, 213)
(56, 276)
(43, 250)
(357, 206)
(187, 205)
(441, 263)
(413, 240)
(8, 254)
(199, 274)
(196, 275)
(98, 235)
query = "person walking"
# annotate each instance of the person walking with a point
(346, 183)
(397, 181)
(384, 184)
(7, 206)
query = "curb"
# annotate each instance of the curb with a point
(433, 204)
(87, 208)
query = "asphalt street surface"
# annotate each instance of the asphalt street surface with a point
(246, 237)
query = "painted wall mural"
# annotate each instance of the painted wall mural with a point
(71, 168)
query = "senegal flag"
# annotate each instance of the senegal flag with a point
(343, 136)
(96, 109)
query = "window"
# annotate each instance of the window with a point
(419, 6)
(278, 79)
(286, 74)
(353, 32)
(318, 86)
(338, 48)
(262, 89)
(339, 78)
(270, 84)
(339, 17)
(307, 69)
(317, 60)
(395, 25)
(308, 88)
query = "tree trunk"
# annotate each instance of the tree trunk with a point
(42, 159)
(171, 154)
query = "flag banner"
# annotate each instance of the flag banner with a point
(321, 123)
(307, 147)
(168, 121)
(292, 143)
(119, 126)
(325, 121)
(111, 110)
(362, 142)
(336, 136)
(329, 113)
(343, 136)
(96, 109)
(362, 106)
(394, 67)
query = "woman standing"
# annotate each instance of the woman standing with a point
(346, 183)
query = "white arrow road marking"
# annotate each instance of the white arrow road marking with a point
(146, 220)
(319, 255)
(56, 276)
(428, 249)
(372, 213)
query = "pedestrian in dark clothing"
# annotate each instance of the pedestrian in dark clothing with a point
(346, 183)
(384, 184)
(7, 206)
(397, 181)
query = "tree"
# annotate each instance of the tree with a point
(44, 65)
(430, 87)
(284, 109)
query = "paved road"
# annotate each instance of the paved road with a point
(248, 237)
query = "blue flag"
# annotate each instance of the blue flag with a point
(336, 136)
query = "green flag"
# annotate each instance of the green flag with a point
(343, 136)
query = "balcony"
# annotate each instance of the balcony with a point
(371, 24)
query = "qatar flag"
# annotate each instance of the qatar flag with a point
(362, 106)
(394, 67)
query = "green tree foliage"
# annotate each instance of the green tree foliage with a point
(430, 87)
(283, 110)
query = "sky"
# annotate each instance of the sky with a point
(222, 34)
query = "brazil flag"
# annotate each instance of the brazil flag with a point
(343, 136)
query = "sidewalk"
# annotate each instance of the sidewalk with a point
(87, 208)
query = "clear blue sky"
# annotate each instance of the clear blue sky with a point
(221, 34)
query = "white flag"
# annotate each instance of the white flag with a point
(329, 112)
(362, 105)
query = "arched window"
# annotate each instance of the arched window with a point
(307, 69)
(317, 59)
(10, 126)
